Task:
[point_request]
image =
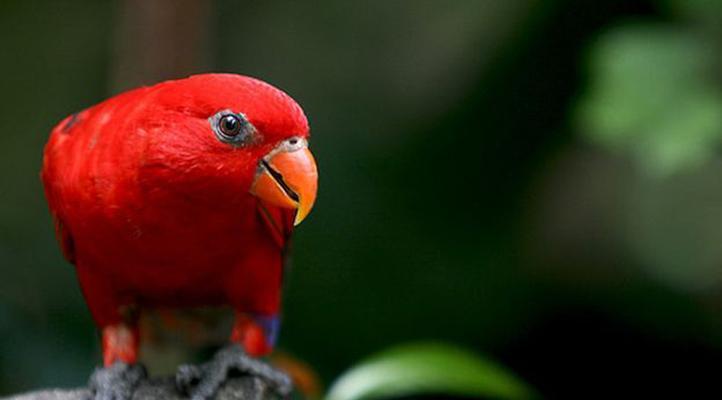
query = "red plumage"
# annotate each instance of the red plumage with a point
(154, 210)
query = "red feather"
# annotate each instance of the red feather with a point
(154, 210)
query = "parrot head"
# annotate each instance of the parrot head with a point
(224, 138)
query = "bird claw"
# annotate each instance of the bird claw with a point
(116, 382)
(202, 382)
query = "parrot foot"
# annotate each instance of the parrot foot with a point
(116, 382)
(201, 382)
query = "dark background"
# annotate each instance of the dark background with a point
(538, 181)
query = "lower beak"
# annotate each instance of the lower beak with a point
(288, 178)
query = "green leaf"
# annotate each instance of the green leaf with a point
(652, 96)
(427, 368)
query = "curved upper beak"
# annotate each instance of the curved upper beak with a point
(288, 178)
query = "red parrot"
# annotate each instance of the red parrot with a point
(181, 194)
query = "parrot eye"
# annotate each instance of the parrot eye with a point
(231, 127)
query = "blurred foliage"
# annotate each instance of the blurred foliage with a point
(682, 211)
(427, 369)
(707, 13)
(654, 93)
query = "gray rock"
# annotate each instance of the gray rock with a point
(237, 388)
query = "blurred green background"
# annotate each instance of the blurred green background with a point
(539, 181)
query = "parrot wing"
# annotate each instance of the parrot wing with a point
(279, 223)
(49, 176)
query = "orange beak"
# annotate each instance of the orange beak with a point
(287, 177)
